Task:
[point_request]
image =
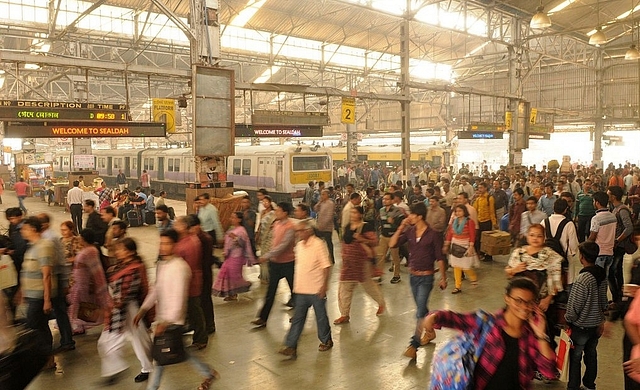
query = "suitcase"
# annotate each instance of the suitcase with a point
(150, 218)
(134, 218)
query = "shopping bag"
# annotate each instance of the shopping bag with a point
(562, 355)
(8, 274)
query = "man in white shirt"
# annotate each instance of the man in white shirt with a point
(354, 200)
(169, 296)
(312, 272)
(74, 200)
(568, 238)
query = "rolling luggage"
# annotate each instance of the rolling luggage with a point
(150, 218)
(134, 218)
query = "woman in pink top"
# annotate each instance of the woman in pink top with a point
(237, 252)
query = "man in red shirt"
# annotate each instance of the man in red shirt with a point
(189, 248)
(21, 192)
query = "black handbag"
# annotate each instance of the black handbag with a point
(168, 348)
(458, 250)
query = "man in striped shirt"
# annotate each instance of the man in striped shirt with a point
(585, 316)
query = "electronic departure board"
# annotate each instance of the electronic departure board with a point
(29, 110)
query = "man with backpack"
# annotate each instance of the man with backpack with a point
(624, 231)
(561, 236)
(603, 233)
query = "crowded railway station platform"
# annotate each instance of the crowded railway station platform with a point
(335, 194)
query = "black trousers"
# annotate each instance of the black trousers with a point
(328, 238)
(76, 215)
(277, 271)
(205, 298)
(584, 224)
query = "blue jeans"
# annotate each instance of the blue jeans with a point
(302, 304)
(421, 287)
(203, 369)
(604, 261)
(21, 204)
(585, 340)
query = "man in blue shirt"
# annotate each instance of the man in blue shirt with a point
(546, 201)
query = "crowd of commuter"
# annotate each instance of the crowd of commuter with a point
(431, 222)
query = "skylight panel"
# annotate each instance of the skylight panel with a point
(247, 13)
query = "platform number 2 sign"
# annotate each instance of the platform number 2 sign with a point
(348, 110)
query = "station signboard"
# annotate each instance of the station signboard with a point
(55, 129)
(242, 130)
(479, 135)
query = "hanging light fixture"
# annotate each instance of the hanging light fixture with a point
(632, 53)
(540, 20)
(598, 38)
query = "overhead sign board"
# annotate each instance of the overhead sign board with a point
(508, 120)
(54, 129)
(486, 126)
(288, 118)
(299, 131)
(348, 110)
(27, 110)
(164, 110)
(479, 135)
(540, 136)
(533, 116)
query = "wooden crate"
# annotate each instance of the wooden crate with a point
(492, 250)
(495, 238)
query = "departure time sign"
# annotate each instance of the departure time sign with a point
(27, 110)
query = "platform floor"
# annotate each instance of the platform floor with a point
(367, 352)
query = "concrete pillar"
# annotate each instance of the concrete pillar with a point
(599, 122)
(405, 105)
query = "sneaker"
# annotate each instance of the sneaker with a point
(394, 280)
(411, 352)
(287, 351)
(391, 269)
(141, 377)
(325, 346)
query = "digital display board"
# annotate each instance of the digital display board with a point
(27, 110)
(479, 135)
(278, 131)
(540, 136)
(486, 126)
(55, 129)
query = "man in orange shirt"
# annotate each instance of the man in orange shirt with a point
(485, 206)
(21, 192)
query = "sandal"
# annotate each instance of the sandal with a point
(206, 384)
(474, 283)
(456, 291)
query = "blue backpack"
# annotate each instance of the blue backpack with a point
(454, 361)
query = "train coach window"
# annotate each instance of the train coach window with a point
(148, 163)
(170, 165)
(176, 165)
(102, 163)
(134, 163)
(236, 166)
(246, 167)
(117, 163)
(311, 163)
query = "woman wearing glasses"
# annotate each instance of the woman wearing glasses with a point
(516, 341)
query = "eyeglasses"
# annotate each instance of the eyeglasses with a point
(521, 302)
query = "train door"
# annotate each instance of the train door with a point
(127, 167)
(436, 161)
(110, 166)
(279, 174)
(263, 173)
(160, 168)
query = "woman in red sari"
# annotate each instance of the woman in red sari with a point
(359, 241)
(89, 284)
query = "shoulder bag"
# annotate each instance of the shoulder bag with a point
(168, 348)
